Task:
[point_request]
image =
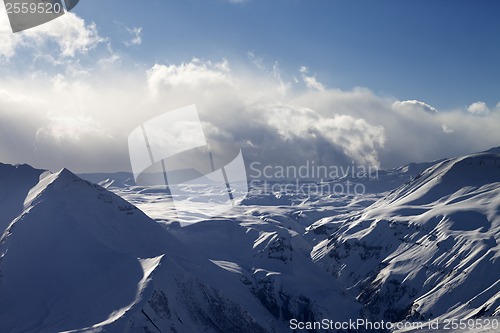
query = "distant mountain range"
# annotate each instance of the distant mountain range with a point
(422, 243)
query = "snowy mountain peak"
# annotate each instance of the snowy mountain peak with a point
(15, 183)
(66, 177)
(450, 176)
(61, 179)
(427, 250)
(17, 172)
(85, 246)
(65, 173)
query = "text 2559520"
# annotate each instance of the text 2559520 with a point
(33, 8)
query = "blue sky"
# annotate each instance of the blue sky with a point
(446, 53)
(380, 83)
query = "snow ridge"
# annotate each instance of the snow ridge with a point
(422, 243)
(429, 249)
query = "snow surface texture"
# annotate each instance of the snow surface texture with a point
(428, 249)
(421, 244)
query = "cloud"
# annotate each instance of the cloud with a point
(238, 1)
(447, 130)
(479, 109)
(311, 81)
(136, 36)
(8, 41)
(192, 74)
(413, 106)
(82, 121)
(69, 32)
(354, 137)
(70, 128)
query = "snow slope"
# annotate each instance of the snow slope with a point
(71, 258)
(80, 258)
(420, 244)
(427, 250)
(15, 183)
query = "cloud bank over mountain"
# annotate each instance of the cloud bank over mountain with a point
(79, 114)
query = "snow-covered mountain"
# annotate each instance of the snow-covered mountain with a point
(80, 258)
(15, 183)
(72, 256)
(428, 249)
(421, 243)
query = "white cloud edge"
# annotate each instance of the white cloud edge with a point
(69, 32)
(478, 108)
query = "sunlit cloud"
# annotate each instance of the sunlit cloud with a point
(194, 73)
(310, 80)
(79, 116)
(413, 105)
(479, 108)
(69, 32)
